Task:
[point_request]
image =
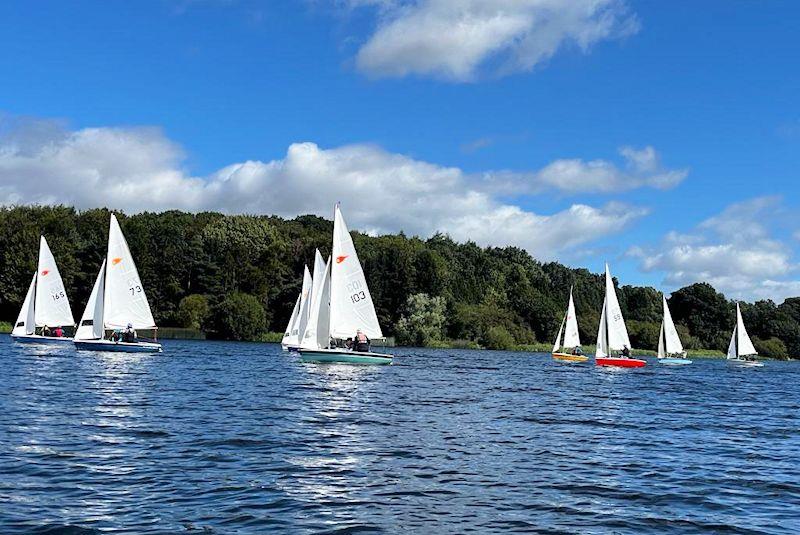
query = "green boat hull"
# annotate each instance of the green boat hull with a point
(343, 356)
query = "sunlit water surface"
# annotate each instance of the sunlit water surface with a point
(243, 438)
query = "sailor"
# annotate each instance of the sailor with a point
(46, 331)
(129, 335)
(626, 353)
(58, 332)
(577, 350)
(361, 342)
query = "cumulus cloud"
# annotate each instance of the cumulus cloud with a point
(734, 251)
(137, 169)
(642, 168)
(457, 39)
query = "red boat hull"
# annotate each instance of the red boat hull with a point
(620, 362)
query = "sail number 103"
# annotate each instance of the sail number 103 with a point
(356, 293)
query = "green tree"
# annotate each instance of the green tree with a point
(423, 321)
(193, 311)
(239, 316)
(772, 348)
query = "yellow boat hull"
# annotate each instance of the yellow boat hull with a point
(570, 358)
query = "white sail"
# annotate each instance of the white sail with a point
(662, 352)
(317, 333)
(91, 325)
(557, 343)
(572, 338)
(125, 300)
(602, 349)
(617, 332)
(732, 347)
(351, 302)
(672, 342)
(305, 304)
(52, 306)
(744, 346)
(26, 321)
(288, 338)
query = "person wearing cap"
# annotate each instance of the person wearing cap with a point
(129, 335)
(361, 342)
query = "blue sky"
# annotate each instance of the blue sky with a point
(663, 137)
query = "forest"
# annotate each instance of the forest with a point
(237, 277)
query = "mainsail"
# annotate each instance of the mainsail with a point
(669, 343)
(124, 299)
(612, 335)
(51, 303)
(571, 335)
(740, 345)
(351, 302)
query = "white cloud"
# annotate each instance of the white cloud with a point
(642, 168)
(137, 169)
(734, 251)
(458, 39)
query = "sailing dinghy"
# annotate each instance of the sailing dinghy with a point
(741, 351)
(46, 304)
(117, 300)
(566, 350)
(670, 349)
(612, 335)
(341, 305)
(299, 319)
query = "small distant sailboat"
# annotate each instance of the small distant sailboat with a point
(46, 304)
(741, 351)
(117, 301)
(567, 349)
(340, 306)
(299, 319)
(612, 335)
(670, 349)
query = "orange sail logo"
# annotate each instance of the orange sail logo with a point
(340, 259)
(45, 272)
(115, 261)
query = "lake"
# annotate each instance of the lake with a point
(220, 437)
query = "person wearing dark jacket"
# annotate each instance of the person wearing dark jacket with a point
(626, 352)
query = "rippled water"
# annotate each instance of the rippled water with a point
(242, 438)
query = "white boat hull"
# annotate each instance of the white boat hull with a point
(344, 356)
(38, 339)
(118, 347)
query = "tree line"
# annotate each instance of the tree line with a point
(237, 277)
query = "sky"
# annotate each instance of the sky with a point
(661, 137)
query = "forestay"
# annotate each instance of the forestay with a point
(91, 325)
(124, 297)
(51, 303)
(351, 302)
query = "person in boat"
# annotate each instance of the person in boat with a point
(46, 331)
(361, 342)
(626, 352)
(58, 332)
(577, 350)
(129, 334)
(348, 343)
